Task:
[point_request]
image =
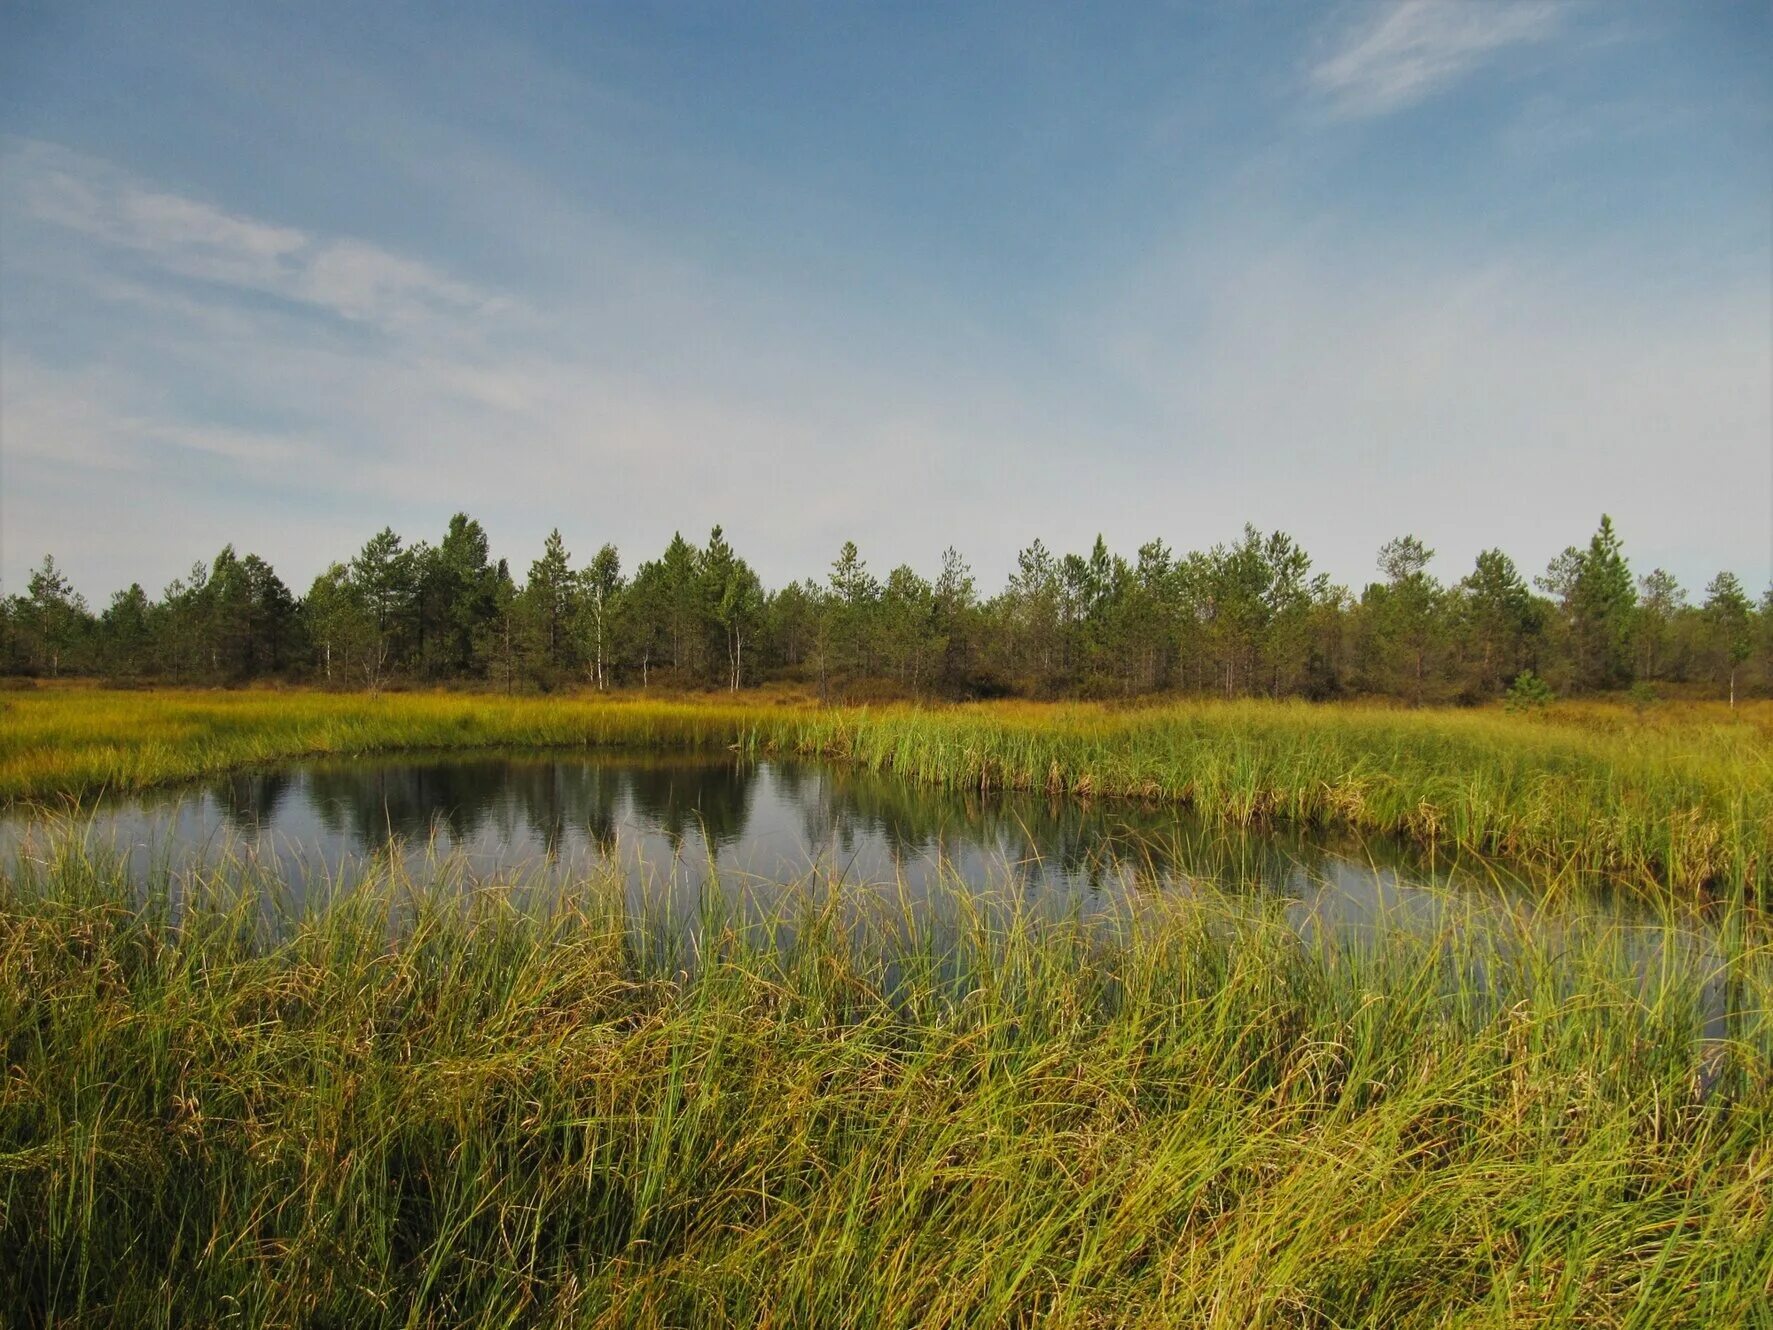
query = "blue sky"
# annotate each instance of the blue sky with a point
(912, 275)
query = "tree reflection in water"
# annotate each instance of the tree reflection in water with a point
(680, 823)
(761, 822)
(520, 807)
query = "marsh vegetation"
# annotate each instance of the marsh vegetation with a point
(1680, 799)
(407, 1090)
(424, 1106)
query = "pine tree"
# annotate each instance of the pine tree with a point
(1500, 617)
(548, 607)
(1729, 619)
(1602, 606)
(53, 616)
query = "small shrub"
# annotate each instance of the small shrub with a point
(1528, 693)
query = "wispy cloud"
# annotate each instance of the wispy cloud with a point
(1409, 50)
(189, 238)
(613, 294)
(532, 408)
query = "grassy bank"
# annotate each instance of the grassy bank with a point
(1683, 798)
(423, 1108)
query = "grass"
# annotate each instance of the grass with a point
(1681, 798)
(432, 1103)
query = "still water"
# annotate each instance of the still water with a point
(677, 831)
(681, 823)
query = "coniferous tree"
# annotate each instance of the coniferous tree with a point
(908, 638)
(1729, 617)
(52, 618)
(1288, 595)
(732, 601)
(1660, 603)
(1249, 617)
(1247, 587)
(274, 620)
(1766, 636)
(680, 591)
(854, 594)
(1406, 607)
(126, 634)
(1601, 604)
(1499, 617)
(458, 597)
(499, 647)
(1032, 605)
(549, 607)
(383, 584)
(954, 619)
(789, 616)
(649, 618)
(1150, 621)
(182, 623)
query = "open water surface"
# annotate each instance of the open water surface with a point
(676, 828)
(685, 821)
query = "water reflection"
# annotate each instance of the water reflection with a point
(697, 820)
(675, 828)
(247, 801)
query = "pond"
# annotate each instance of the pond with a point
(675, 827)
(680, 822)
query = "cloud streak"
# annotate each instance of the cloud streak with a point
(695, 286)
(579, 411)
(349, 279)
(1410, 50)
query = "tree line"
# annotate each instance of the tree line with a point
(1250, 617)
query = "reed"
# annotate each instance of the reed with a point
(443, 1102)
(1681, 800)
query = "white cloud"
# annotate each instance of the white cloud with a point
(189, 238)
(363, 282)
(1342, 391)
(646, 394)
(1411, 49)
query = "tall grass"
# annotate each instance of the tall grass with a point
(431, 1103)
(1686, 803)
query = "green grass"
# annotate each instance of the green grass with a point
(429, 1104)
(1683, 799)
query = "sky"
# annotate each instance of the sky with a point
(913, 275)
